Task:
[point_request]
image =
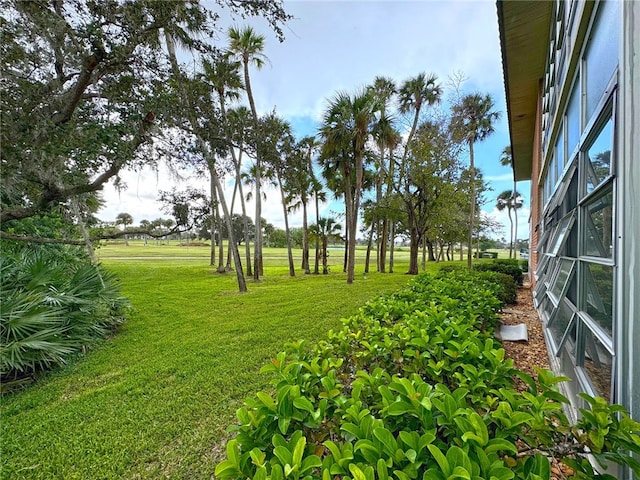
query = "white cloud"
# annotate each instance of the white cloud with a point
(503, 218)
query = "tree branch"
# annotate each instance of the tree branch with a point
(95, 238)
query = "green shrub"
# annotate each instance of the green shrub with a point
(415, 387)
(524, 265)
(505, 286)
(510, 266)
(53, 303)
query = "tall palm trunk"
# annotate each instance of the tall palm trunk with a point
(383, 241)
(515, 219)
(292, 269)
(317, 202)
(214, 207)
(245, 218)
(242, 286)
(257, 251)
(315, 264)
(392, 239)
(379, 223)
(472, 209)
(305, 236)
(325, 268)
(237, 163)
(353, 220)
(414, 248)
(369, 244)
(511, 246)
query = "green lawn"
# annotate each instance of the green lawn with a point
(154, 401)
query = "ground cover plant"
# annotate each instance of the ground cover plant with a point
(155, 399)
(53, 303)
(414, 386)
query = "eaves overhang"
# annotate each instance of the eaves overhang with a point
(524, 40)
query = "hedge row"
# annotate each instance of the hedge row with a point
(415, 386)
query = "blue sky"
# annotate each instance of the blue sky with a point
(332, 46)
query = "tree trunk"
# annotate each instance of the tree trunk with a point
(237, 163)
(210, 161)
(414, 249)
(292, 269)
(325, 268)
(432, 257)
(382, 251)
(392, 246)
(245, 218)
(515, 231)
(511, 246)
(242, 285)
(424, 254)
(472, 209)
(214, 196)
(315, 265)
(347, 225)
(305, 237)
(369, 243)
(220, 268)
(257, 250)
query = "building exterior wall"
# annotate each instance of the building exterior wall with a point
(628, 342)
(535, 225)
(585, 200)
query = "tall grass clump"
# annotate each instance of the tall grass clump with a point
(53, 303)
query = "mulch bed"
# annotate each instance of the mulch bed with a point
(531, 354)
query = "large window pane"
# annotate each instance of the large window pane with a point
(598, 365)
(561, 322)
(560, 157)
(598, 161)
(601, 56)
(599, 227)
(598, 285)
(574, 127)
(561, 234)
(565, 271)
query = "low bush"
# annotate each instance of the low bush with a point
(509, 266)
(506, 289)
(53, 303)
(415, 387)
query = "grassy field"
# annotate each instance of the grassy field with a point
(154, 401)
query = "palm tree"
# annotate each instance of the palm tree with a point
(302, 185)
(386, 136)
(206, 152)
(506, 160)
(473, 120)
(324, 230)
(222, 74)
(346, 126)
(238, 122)
(415, 93)
(248, 46)
(310, 145)
(278, 149)
(124, 219)
(511, 200)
